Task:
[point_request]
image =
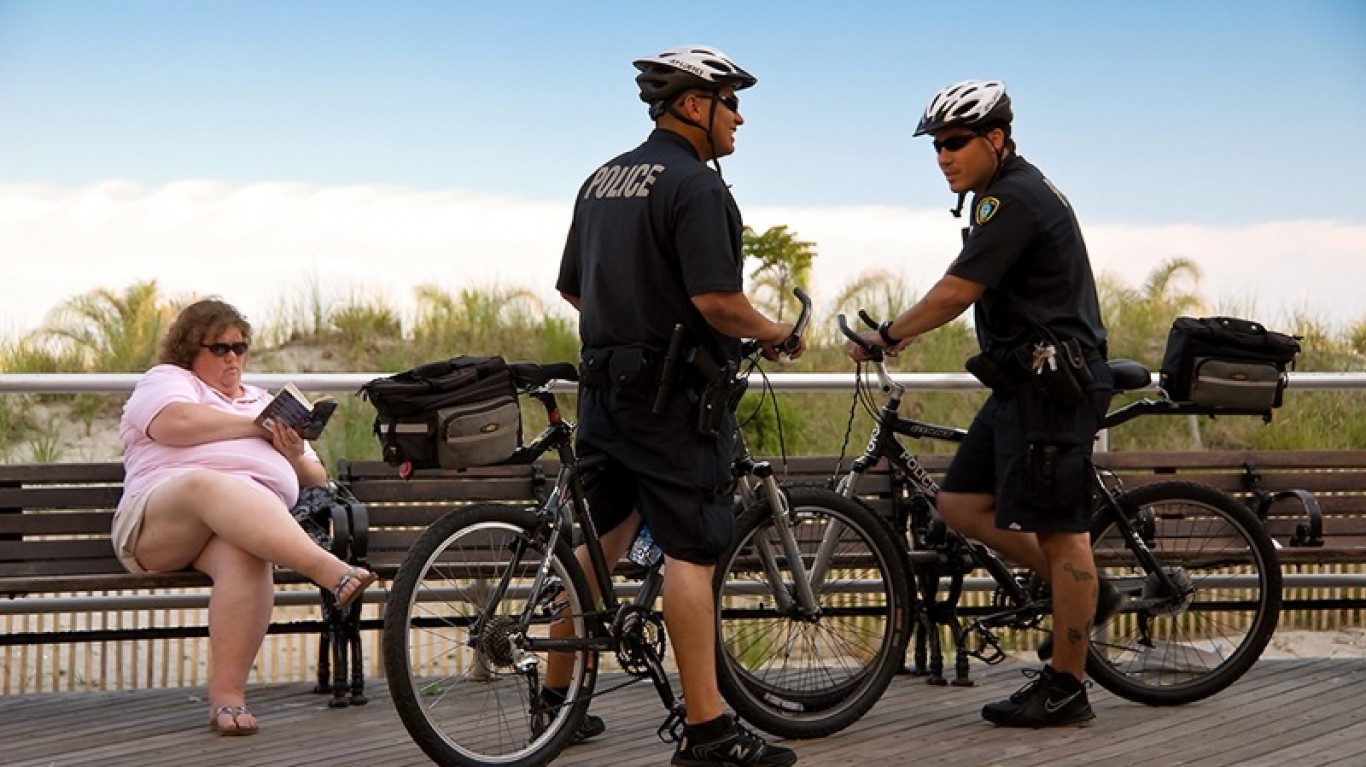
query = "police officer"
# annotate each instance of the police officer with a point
(655, 244)
(1020, 482)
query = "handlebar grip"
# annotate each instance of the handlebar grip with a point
(792, 342)
(799, 327)
(874, 351)
(867, 319)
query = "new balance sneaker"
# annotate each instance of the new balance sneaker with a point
(591, 727)
(735, 747)
(1050, 699)
(1108, 601)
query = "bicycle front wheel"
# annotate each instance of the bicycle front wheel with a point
(461, 673)
(802, 670)
(1196, 622)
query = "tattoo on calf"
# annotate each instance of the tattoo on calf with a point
(1080, 576)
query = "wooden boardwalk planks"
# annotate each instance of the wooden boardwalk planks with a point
(1304, 712)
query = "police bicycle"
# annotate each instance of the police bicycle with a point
(467, 627)
(1197, 573)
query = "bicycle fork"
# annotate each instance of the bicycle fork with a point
(805, 582)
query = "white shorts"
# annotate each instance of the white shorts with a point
(128, 525)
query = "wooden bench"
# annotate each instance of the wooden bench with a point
(1313, 502)
(54, 539)
(400, 509)
(55, 522)
(56, 557)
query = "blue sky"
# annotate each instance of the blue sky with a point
(1190, 122)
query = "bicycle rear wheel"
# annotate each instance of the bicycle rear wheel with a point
(1187, 636)
(462, 682)
(803, 674)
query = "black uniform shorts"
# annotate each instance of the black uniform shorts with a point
(1034, 456)
(679, 480)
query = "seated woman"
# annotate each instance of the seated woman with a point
(208, 489)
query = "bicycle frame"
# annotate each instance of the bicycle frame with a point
(940, 552)
(766, 486)
(565, 506)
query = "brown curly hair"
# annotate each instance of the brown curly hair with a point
(200, 321)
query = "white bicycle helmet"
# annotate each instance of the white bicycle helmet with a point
(674, 71)
(969, 104)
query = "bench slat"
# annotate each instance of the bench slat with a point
(73, 523)
(61, 473)
(51, 497)
(1233, 459)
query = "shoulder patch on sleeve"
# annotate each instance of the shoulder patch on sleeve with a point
(986, 208)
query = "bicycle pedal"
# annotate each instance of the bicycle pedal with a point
(988, 650)
(991, 657)
(672, 729)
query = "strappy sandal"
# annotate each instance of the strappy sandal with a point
(363, 582)
(236, 729)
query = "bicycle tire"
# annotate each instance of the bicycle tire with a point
(465, 696)
(1166, 649)
(807, 676)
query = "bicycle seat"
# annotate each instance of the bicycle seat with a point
(1130, 375)
(529, 375)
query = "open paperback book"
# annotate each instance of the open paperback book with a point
(295, 410)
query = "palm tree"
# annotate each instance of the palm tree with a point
(1138, 320)
(784, 263)
(112, 332)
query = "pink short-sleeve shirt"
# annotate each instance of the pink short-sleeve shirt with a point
(148, 462)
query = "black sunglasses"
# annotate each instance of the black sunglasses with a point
(954, 143)
(221, 350)
(731, 102)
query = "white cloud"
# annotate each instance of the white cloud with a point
(260, 244)
(1272, 270)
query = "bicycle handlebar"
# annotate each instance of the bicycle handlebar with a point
(792, 342)
(874, 351)
(868, 320)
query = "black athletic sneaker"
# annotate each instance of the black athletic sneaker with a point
(1108, 601)
(1050, 699)
(591, 727)
(738, 747)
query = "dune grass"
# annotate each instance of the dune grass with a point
(109, 331)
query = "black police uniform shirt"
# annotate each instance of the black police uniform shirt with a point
(652, 228)
(1025, 246)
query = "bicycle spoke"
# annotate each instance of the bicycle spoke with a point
(1194, 625)
(464, 679)
(802, 672)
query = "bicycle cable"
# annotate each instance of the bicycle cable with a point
(862, 396)
(766, 393)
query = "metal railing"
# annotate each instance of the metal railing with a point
(113, 383)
